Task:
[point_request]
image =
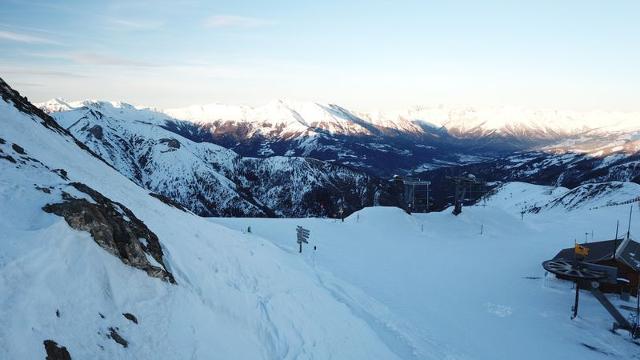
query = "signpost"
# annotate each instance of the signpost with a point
(303, 236)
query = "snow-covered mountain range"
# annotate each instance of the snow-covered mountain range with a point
(208, 179)
(290, 117)
(387, 143)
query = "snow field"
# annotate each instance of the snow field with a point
(443, 290)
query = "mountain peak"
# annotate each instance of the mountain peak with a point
(54, 105)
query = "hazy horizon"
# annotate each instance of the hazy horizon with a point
(578, 55)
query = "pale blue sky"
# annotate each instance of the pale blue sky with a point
(363, 54)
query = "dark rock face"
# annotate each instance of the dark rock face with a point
(113, 334)
(171, 143)
(115, 228)
(55, 352)
(96, 131)
(130, 317)
(17, 148)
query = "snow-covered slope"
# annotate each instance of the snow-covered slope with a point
(207, 178)
(236, 296)
(471, 286)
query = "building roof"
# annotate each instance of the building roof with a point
(626, 251)
(631, 255)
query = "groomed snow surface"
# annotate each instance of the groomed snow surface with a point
(433, 287)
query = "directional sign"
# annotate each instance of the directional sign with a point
(303, 236)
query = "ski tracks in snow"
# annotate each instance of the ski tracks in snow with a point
(399, 337)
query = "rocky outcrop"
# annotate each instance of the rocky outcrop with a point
(115, 336)
(115, 228)
(131, 317)
(56, 352)
(171, 143)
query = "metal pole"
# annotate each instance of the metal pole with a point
(300, 243)
(577, 301)
(629, 228)
(427, 207)
(637, 309)
(615, 242)
(414, 198)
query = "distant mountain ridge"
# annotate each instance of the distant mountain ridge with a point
(388, 143)
(211, 180)
(541, 147)
(289, 117)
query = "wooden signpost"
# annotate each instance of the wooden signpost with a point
(303, 236)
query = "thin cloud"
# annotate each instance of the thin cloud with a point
(63, 74)
(234, 21)
(26, 84)
(91, 58)
(134, 24)
(24, 38)
(102, 59)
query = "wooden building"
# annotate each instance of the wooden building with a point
(624, 254)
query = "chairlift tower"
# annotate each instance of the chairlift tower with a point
(416, 194)
(463, 184)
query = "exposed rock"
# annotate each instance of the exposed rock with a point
(130, 317)
(55, 352)
(115, 228)
(172, 143)
(46, 190)
(96, 131)
(113, 334)
(62, 173)
(17, 148)
(9, 158)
